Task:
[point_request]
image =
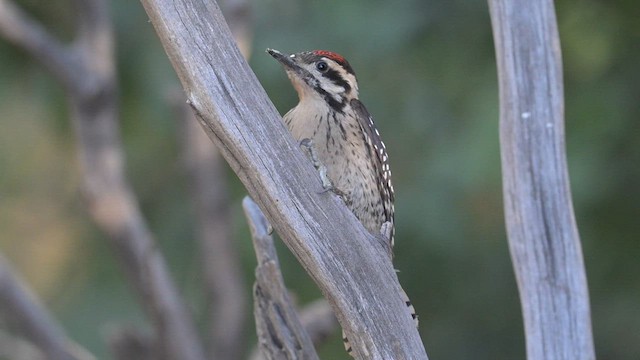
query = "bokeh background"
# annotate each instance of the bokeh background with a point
(427, 73)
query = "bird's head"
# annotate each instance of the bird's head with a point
(320, 75)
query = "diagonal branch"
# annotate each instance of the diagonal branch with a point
(20, 306)
(20, 29)
(349, 265)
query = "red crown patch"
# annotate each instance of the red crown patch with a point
(330, 55)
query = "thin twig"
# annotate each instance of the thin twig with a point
(23, 31)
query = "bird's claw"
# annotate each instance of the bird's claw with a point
(322, 170)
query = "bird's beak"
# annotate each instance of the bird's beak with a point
(292, 67)
(284, 59)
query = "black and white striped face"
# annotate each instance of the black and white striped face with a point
(320, 75)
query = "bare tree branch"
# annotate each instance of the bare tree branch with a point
(19, 305)
(318, 320)
(349, 264)
(91, 85)
(543, 236)
(18, 28)
(280, 333)
(222, 272)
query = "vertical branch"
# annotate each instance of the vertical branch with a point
(222, 272)
(280, 332)
(543, 236)
(318, 320)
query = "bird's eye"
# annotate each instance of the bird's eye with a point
(322, 66)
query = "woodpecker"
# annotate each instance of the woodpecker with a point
(343, 137)
(342, 133)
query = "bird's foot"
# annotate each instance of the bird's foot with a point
(322, 170)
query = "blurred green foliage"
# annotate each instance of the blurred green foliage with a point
(427, 73)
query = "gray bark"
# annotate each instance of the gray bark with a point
(281, 335)
(318, 320)
(543, 236)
